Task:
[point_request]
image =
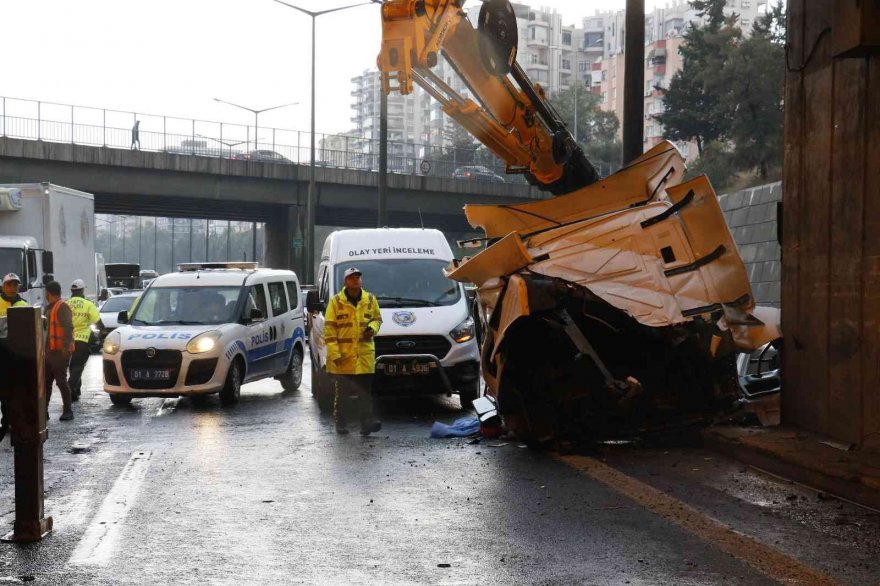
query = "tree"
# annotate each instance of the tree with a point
(755, 98)
(693, 100)
(596, 128)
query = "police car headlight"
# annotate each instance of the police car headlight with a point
(111, 344)
(463, 331)
(203, 342)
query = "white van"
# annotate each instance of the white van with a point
(208, 328)
(426, 344)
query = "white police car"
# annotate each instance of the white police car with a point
(208, 328)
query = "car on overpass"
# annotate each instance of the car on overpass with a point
(262, 156)
(477, 173)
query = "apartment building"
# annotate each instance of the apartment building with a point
(664, 29)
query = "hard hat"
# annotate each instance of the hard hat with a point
(352, 271)
(11, 277)
(78, 284)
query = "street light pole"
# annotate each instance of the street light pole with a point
(311, 201)
(256, 114)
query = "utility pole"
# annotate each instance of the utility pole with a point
(382, 216)
(634, 81)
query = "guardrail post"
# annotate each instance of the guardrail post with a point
(4, 116)
(297, 146)
(194, 137)
(164, 133)
(104, 126)
(222, 144)
(22, 384)
(72, 127)
(273, 139)
(39, 120)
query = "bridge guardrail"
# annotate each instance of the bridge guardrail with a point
(64, 123)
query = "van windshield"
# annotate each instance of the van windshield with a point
(187, 306)
(410, 282)
(11, 261)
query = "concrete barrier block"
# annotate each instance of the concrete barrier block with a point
(723, 202)
(767, 251)
(757, 214)
(739, 218)
(748, 252)
(754, 272)
(775, 192)
(735, 200)
(773, 271)
(764, 232)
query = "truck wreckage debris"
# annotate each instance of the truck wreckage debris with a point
(617, 309)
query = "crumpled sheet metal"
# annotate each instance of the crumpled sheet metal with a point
(661, 273)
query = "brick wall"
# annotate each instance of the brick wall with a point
(751, 216)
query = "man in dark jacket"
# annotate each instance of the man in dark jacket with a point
(59, 346)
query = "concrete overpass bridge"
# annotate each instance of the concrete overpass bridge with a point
(135, 182)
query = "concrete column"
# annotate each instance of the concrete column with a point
(278, 246)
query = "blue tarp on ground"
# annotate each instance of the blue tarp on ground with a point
(460, 428)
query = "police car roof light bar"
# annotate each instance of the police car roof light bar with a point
(202, 266)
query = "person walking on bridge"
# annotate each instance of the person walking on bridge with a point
(136, 135)
(84, 315)
(59, 346)
(351, 321)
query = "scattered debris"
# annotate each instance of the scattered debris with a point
(444, 565)
(462, 427)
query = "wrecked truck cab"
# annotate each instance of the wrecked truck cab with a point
(615, 309)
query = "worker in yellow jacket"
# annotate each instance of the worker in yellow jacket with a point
(351, 321)
(84, 315)
(9, 297)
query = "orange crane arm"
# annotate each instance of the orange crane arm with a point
(513, 118)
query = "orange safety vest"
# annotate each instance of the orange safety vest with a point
(57, 332)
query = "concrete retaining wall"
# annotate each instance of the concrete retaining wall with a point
(751, 216)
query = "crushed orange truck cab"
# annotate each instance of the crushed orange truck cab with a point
(617, 308)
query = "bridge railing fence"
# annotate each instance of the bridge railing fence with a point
(64, 123)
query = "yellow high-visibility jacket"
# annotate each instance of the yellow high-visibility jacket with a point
(5, 305)
(348, 351)
(84, 315)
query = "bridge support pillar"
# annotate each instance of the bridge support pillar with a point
(283, 242)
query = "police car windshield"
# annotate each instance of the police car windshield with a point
(410, 282)
(186, 306)
(117, 304)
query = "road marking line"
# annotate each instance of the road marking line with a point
(767, 560)
(99, 541)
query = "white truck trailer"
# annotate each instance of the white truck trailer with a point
(47, 232)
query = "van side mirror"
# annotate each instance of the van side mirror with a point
(48, 262)
(256, 314)
(313, 302)
(122, 318)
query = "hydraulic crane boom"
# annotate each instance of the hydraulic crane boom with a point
(514, 120)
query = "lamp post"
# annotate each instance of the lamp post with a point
(311, 202)
(256, 114)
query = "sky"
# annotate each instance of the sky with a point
(172, 57)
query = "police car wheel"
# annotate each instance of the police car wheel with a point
(120, 400)
(231, 391)
(291, 379)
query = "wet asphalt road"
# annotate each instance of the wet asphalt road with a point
(188, 492)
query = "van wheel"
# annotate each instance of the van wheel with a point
(231, 391)
(293, 377)
(120, 400)
(469, 394)
(322, 388)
